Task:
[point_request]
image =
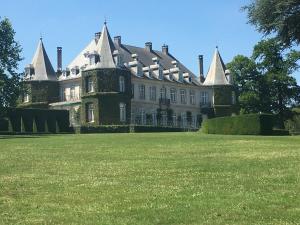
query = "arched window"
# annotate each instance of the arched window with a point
(121, 84)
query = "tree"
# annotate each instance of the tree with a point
(264, 82)
(277, 65)
(276, 16)
(10, 50)
(247, 82)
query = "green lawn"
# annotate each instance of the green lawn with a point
(159, 178)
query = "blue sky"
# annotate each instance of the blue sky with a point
(190, 27)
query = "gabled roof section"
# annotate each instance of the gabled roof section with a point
(43, 69)
(105, 48)
(216, 74)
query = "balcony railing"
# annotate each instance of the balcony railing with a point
(205, 104)
(164, 102)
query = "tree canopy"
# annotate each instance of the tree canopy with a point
(281, 17)
(10, 56)
(264, 82)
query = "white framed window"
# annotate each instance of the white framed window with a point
(132, 90)
(173, 95)
(152, 92)
(192, 97)
(142, 91)
(122, 112)
(163, 93)
(72, 93)
(233, 98)
(26, 97)
(121, 84)
(90, 85)
(204, 97)
(90, 112)
(183, 96)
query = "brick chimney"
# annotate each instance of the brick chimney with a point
(59, 59)
(148, 46)
(165, 49)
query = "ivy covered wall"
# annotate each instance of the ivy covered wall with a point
(106, 97)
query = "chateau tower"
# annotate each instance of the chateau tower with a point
(106, 85)
(219, 79)
(41, 85)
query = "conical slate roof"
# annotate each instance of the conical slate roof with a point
(105, 49)
(216, 74)
(43, 69)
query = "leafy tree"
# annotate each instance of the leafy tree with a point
(10, 50)
(276, 65)
(276, 16)
(264, 82)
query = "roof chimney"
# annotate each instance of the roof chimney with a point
(117, 40)
(97, 36)
(200, 58)
(148, 46)
(165, 49)
(59, 59)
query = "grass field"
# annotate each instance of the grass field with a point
(159, 178)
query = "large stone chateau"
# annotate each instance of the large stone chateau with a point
(110, 82)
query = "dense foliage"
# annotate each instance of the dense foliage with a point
(10, 50)
(264, 82)
(276, 16)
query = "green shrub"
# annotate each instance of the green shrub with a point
(251, 124)
(28, 120)
(3, 124)
(105, 129)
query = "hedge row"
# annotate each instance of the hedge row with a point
(27, 120)
(126, 129)
(251, 124)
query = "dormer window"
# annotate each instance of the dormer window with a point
(94, 58)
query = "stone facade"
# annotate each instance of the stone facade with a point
(113, 83)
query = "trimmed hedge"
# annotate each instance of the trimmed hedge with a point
(28, 120)
(249, 124)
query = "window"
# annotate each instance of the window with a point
(192, 97)
(26, 97)
(163, 93)
(90, 85)
(233, 98)
(183, 96)
(204, 97)
(132, 90)
(72, 92)
(142, 91)
(122, 112)
(173, 94)
(90, 113)
(152, 93)
(121, 84)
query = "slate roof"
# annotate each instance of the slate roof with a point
(105, 47)
(216, 74)
(43, 69)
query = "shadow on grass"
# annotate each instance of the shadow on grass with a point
(23, 136)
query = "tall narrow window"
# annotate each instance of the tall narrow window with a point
(192, 97)
(26, 97)
(204, 97)
(233, 98)
(173, 94)
(142, 91)
(72, 93)
(90, 113)
(122, 112)
(90, 85)
(152, 92)
(163, 93)
(183, 96)
(132, 90)
(121, 84)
